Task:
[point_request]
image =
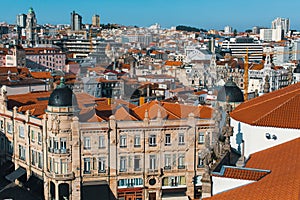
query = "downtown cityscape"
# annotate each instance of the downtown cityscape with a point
(92, 108)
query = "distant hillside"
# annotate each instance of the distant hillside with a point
(188, 28)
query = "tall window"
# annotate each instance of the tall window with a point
(33, 157)
(63, 145)
(168, 140)
(101, 165)
(1, 125)
(55, 166)
(137, 141)
(167, 161)
(55, 145)
(201, 138)
(123, 142)
(64, 166)
(51, 164)
(39, 138)
(152, 140)
(181, 139)
(87, 142)
(200, 161)
(181, 164)
(152, 163)
(32, 136)
(21, 131)
(22, 152)
(10, 147)
(87, 165)
(101, 141)
(9, 127)
(40, 160)
(137, 163)
(122, 164)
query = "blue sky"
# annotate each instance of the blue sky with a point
(207, 14)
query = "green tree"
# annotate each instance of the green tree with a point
(235, 32)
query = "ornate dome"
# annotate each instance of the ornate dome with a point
(297, 69)
(62, 96)
(231, 91)
(30, 10)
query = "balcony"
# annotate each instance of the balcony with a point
(122, 170)
(167, 167)
(87, 172)
(101, 171)
(181, 166)
(61, 177)
(200, 166)
(137, 169)
(58, 151)
(152, 171)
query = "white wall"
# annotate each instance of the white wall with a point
(24, 89)
(255, 137)
(221, 184)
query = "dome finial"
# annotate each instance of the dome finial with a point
(62, 82)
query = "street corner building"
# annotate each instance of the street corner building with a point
(81, 147)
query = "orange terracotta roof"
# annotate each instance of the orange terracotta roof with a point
(182, 111)
(172, 110)
(37, 109)
(153, 108)
(274, 109)
(241, 173)
(5, 70)
(89, 115)
(173, 63)
(277, 67)
(27, 99)
(256, 66)
(41, 75)
(283, 182)
(97, 109)
(182, 90)
(123, 114)
(136, 51)
(200, 92)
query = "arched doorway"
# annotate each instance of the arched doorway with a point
(63, 189)
(52, 191)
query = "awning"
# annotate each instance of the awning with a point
(176, 198)
(16, 174)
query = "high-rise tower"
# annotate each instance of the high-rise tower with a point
(281, 23)
(96, 20)
(21, 20)
(31, 32)
(76, 21)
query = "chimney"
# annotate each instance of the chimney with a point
(142, 101)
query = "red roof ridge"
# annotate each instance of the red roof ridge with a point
(277, 107)
(243, 173)
(244, 106)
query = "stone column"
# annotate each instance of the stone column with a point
(206, 185)
(56, 191)
(75, 147)
(113, 158)
(46, 189)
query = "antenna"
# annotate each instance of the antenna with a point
(246, 66)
